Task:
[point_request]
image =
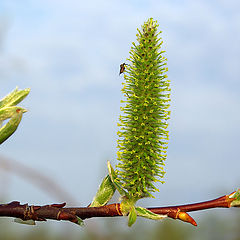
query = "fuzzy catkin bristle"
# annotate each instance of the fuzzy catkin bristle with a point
(143, 134)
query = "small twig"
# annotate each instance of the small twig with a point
(179, 212)
(60, 212)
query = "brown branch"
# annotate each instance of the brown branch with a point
(180, 212)
(60, 212)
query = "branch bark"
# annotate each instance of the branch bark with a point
(60, 212)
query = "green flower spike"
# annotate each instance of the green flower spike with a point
(143, 134)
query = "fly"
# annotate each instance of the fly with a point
(122, 68)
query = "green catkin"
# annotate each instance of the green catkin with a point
(143, 134)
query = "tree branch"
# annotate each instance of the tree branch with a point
(60, 212)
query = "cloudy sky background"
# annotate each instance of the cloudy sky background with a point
(69, 52)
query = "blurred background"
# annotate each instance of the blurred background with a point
(68, 52)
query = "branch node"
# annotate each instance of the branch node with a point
(63, 215)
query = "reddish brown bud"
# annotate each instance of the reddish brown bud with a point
(67, 216)
(14, 204)
(35, 208)
(58, 205)
(63, 216)
(186, 218)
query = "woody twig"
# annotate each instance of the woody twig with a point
(60, 212)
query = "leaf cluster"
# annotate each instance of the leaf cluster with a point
(9, 110)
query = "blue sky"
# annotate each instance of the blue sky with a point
(69, 52)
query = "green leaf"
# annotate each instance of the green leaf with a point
(8, 112)
(27, 222)
(15, 97)
(104, 193)
(113, 177)
(11, 126)
(236, 201)
(132, 217)
(126, 205)
(143, 212)
(80, 221)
